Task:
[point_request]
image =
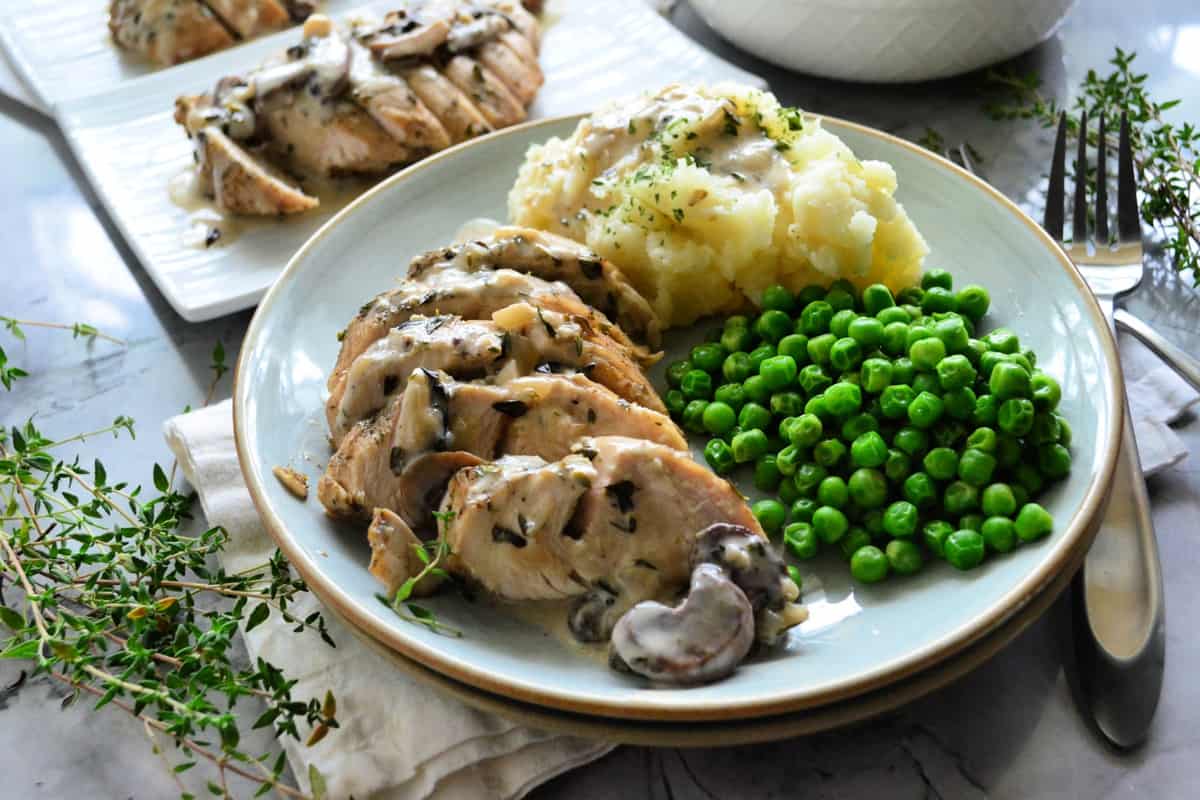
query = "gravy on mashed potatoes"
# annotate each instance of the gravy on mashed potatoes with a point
(705, 196)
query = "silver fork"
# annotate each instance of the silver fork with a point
(1118, 621)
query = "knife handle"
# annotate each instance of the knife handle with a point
(1186, 365)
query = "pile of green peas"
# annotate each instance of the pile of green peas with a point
(880, 423)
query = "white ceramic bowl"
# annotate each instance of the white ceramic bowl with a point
(859, 638)
(887, 41)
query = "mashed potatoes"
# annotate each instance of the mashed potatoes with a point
(706, 196)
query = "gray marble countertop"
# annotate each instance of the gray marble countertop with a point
(1008, 730)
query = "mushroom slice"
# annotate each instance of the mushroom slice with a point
(394, 557)
(703, 639)
(402, 36)
(758, 571)
(423, 484)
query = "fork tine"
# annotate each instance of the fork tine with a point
(1102, 185)
(1053, 220)
(1129, 223)
(1079, 217)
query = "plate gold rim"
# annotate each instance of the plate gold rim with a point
(1074, 542)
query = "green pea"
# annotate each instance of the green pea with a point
(737, 339)
(675, 402)
(1054, 461)
(941, 463)
(900, 519)
(960, 403)
(1021, 360)
(998, 500)
(808, 477)
(789, 460)
(960, 498)
(948, 433)
(854, 539)
(803, 508)
(819, 348)
(677, 370)
(857, 425)
(1028, 477)
(736, 367)
(766, 473)
(1064, 430)
(937, 300)
(755, 390)
(719, 456)
(925, 410)
(910, 296)
(964, 549)
(771, 514)
(807, 430)
(867, 331)
(815, 318)
(917, 333)
(693, 415)
(934, 534)
(816, 405)
(952, 331)
(813, 379)
(749, 445)
(926, 382)
(697, 385)
(850, 376)
(1009, 380)
(975, 350)
(753, 416)
(920, 490)
(731, 394)
(1045, 428)
(914, 311)
(971, 522)
(876, 298)
(872, 522)
(1003, 340)
(839, 325)
(983, 438)
(973, 301)
(788, 493)
(976, 467)
(830, 524)
(895, 338)
(903, 371)
(773, 325)
(718, 418)
(985, 413)
(898, 466)
(1046, 391)
(904, 557)
(810, 294)
(868, 450)
(988, 362)
(845, 354)
(760, 354)
(787, 403)
(927, 353)
(843, 399)
(794, 345)
(778, 298)
(912, 441)
(895, 401)
(778, 371)
(867, 488)
(954, 372)
(1019, 494)
(937, 277)
(868, 564)
(840, 298)
(801, 540)
(999, 534)
(1016, 416)
(708, 357)
(829, 452)
(875, 375)
(833, 492)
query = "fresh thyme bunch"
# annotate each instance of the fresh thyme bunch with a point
(102, 591)
(1165, 153)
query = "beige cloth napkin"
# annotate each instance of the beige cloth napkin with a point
(399, 739)
(1158, 397)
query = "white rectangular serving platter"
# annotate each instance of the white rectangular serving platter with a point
(130, 147)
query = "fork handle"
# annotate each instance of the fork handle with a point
(1186, 365)
(1118, 610)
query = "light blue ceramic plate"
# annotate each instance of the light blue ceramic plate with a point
(859, 638)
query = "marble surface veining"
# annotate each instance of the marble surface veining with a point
(1008, 730)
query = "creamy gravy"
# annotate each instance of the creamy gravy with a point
(550, 617)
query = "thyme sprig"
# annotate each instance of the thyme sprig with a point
(114, 600)
(1165, 153)
(432, 555)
